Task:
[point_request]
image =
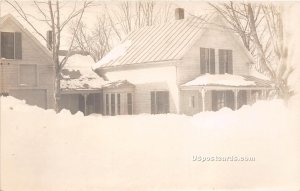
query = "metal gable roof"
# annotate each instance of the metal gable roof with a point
(164, 42)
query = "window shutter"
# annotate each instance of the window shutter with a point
(18, 45)
(153, 103)
(212, 61)
(202, 61)
(221, 62)
(229, 62)
(7, 45)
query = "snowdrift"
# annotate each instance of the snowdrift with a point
(42, 150)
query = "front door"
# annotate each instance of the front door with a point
(222, 99)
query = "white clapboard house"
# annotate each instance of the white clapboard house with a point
(184, 66)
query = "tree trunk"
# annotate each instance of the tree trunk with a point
(57, 94)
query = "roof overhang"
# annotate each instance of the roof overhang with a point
(227, 82)
(163, 63)
(219, 87)
(118, 84)
(80, 91)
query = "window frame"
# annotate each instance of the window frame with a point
(155, 95)
(228, 68)
(208, 56)
(36, 75)
(192, 101)
(129, 105)
(15, 57)
(116, 103)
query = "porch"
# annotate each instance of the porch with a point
(86, 101)
(213, 92)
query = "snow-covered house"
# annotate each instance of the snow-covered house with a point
(184, 66)
(27, 69)
(81, 87)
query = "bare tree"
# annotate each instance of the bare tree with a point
(129, 15)
(97, 41)
(49, 12)
(114, 23)
(260, 28)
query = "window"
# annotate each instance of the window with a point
(207, 60)
(225, 61)
(192, 102)
(159, 102)
(28, 74)
(129, 103)
(107, 104)
(242, 98)
(118, 104)
(11, 45)
(112, 104)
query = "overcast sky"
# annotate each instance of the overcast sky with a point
(191, 7)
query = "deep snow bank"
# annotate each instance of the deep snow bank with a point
(42, 150)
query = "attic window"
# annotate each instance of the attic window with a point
(11, 45)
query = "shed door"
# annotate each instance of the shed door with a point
(32, 97)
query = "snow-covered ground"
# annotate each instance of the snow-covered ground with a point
(42, 150)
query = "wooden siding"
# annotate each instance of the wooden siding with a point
(33, 55)
(147, 80)
(217, 39)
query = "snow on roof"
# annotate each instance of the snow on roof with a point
(78, 73)
(83, 63)
(224, 80)
(114, 54)
(117, 84)
(84, 82)
(167, 41)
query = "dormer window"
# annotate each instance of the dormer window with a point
(11, 45)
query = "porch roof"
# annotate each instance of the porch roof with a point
(227, 81)
(77, 74)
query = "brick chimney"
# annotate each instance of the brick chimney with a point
(179, 13)
(49, 39)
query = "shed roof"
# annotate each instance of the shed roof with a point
(163, 42)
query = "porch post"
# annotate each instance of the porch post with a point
(236, 91)
(85, 97)
(203, 91)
